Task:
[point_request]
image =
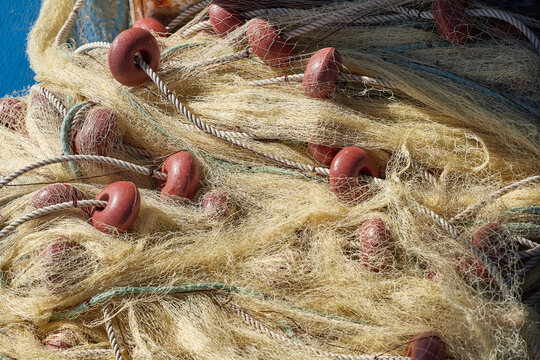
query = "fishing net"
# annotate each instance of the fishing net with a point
(430, 247)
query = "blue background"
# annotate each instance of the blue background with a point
(16, 19)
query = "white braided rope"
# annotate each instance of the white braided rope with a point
(110, 332)
(413, 13)
(90, 353)
(276, 80)
(273, 11)
(248, 319)
(217, 133)
(91, 158)
(92, 46)
(338, 15)
(511, 19)
(187, 13)
(474, 208)
(530, 253)
(180, 107)
(50, 209)
(486, 262)
(523, 241)
(226, 59)
(203, 25)
(343, 76)
(525, 19)
(424, 173)
(133, 150)
(53, 99)
(78, 119)
(377, 19)
(61, 36)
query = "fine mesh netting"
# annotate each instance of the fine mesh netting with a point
(275, 253)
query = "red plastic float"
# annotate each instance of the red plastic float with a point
(451, 20)
(224, 18)
(322, 70)
(123, 50)
(12, 112)
(268, 44)
(216, 204)
(124, 204)
(427, 346)
(323, 153)
(98, 133)
(60, 255)
(63, 339)
(56, 194)
(150, 24)
(183, 175)
(345, 168)
(375, 244)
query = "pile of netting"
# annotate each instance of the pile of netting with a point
(273, 180)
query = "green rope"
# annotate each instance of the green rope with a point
(525, 210)
(64, 136)
(174, 48)
(188, 288)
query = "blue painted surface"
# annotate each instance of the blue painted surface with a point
(15, 22)
(98, 20)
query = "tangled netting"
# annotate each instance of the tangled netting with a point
(275, 254)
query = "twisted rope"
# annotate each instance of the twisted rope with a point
(61, 36)
(53, 100)
(187, 13)
(343, 76)
(77, 120)
(220, 134)
(523, 241)
(474, 208)
(110, 332)
(226, 59)
(273, 11)
(424, 173)
(133, 150)
(180, 107)
(67, 131)
(91, 46)
(91, 158)
(511, 19)
(339, 15)
(286, 78)
(248, 319)
(486, 262)
(203, 25)
(530, 253)
(50, 209)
